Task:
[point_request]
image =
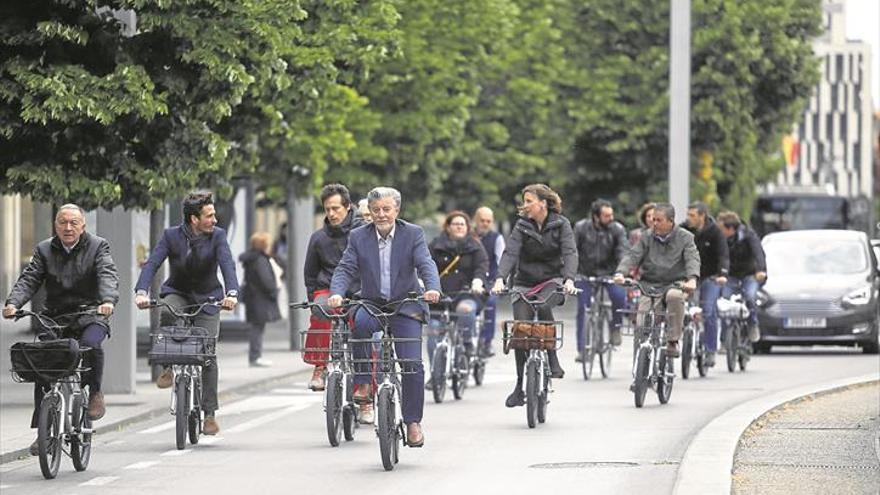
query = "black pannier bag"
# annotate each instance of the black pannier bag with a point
(181, 345)
(46, 361)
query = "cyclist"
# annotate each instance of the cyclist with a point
(601, 243)
(493, 243)
(194, 249)
(462, 263)
(540, 254)
(714, 264)
(666, 256)
(76, 270)
(325, 249)
(389, 256)
(748, 267)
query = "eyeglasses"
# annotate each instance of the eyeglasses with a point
(64, 223)
(458, 224)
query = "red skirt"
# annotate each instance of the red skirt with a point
(318, 336)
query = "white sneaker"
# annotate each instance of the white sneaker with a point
(261, 363)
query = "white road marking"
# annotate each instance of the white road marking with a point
(6, 487)
(248, 425)
(295, 391)
(158, 428)
(174, 453)
(209, 440)
(100, 481)
(142, 465)
(268, 402)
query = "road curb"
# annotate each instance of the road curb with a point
(707, 465)
(163, 410)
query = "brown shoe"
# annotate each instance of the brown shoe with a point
(96, 406)
(210, 426)
(414, 436)
(165, 379)
(317, 382)
(672, 349)
(363, 394)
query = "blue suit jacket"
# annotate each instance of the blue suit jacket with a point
(193, 264)
(410, 260)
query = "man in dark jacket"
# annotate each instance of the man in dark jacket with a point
(323, 254)
(601, 244)
(195, 249)
(714, 264)
(748, 267)
(76, 270)
(493, 243)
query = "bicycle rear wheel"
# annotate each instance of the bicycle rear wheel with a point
(666, 368)
(687, 345)
(387, 429)
(605, 348)
(333, 408)
(731, 343)
(438, 374)
(49, 432)
(532, 393)
(640, 383)
(80, 442)
(181, 412)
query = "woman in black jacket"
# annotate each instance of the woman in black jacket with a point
(260, 293)
(463, 265)
(542, 251)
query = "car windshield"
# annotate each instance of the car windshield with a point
(797, 257)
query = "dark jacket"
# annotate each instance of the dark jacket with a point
(410, 261)
(193, 261)
(746, 253)
(539, 255)
(324, 252)
(600, 248)
(259, 292)
(472, 261)
(85, 277)
(663, 262)
(489, 240)
(712, 245)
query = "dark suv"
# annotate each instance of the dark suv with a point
(822, 288)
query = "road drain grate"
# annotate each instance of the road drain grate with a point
(597, 464)
(857, 467)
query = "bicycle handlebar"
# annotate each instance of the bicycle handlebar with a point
(331, 313)
(178, 312)
(49, 324)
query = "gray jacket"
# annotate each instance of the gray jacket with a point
(663, 263)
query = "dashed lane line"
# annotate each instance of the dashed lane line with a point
(266, 418)
(100, 481)
(142, 465)
(174, 453)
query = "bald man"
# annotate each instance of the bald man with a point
(493, 242)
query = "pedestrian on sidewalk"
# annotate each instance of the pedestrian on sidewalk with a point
(259, 293)
(75, 269)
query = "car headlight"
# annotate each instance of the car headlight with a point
(859, 297)
(763, 300)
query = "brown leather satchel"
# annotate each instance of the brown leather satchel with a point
(527, 336)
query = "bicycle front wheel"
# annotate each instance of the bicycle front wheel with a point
(49, 431)
(387, 429)
(80, 441)
(438, 374)
(333, 408)
(605, 348)
(181, 411)
(665, 378)
(460, 374)
(687, 346)
(532, 393)
(589, 350)
(479, 371)
(731, 343)
(195, 415)
(640, 382)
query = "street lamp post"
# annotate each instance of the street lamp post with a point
(679, 104)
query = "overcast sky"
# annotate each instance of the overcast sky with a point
(863, 23)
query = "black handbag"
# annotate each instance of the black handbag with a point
(181, 345)
(46, 361)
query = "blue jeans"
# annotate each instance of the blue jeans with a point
(710, 291)
(748, 287)
(487, 333)
(413, 400)
(616, 293)
(466, 320)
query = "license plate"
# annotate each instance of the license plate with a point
(805, 323)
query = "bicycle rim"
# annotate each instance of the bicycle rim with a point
(49, 436)
(386, 426)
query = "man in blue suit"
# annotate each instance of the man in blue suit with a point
(388, 256)
(194, 249)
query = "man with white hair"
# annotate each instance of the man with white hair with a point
(389, 256)
(77, 271)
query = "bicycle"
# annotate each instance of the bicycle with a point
(693, 345)
(340, 411)
(63, 418)
(451, 361)
(651, 366)
(480, 359)
(186, 349)
(537, 337)
(597, 328)
(388, 369)
(734, 316)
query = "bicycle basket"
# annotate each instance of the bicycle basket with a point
(528, 335)
(46, 361)
(732, 309)
(377, 360)
(182, 345)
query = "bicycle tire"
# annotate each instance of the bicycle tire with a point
(194, 427)
(532, 393)
(666, 367)
(349, 422)
(589, 351)
(687, 343)
(49, 436)
(732, 341)
(460, 375)
(386, 428)
(81, 443)
(543, 399)
(702, 366)
(479, 371)
(181, 412)
(333, 408)
(743, 355)
(606, 348)
(640, 382)
(438, 374)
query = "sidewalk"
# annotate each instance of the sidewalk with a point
(16, 399)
